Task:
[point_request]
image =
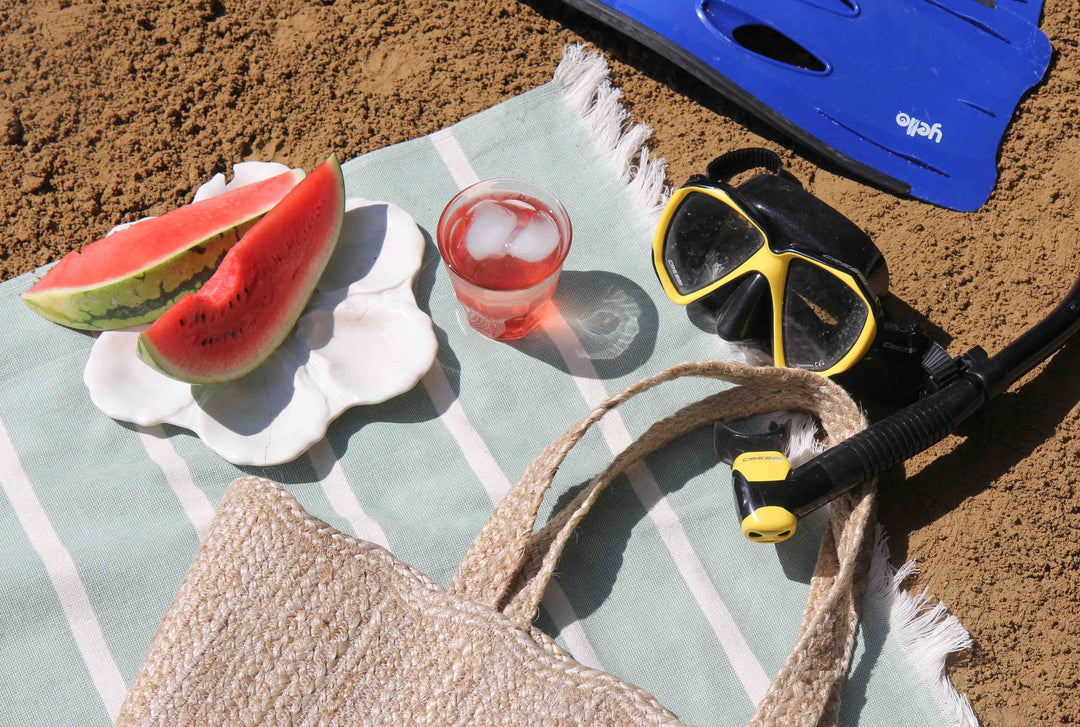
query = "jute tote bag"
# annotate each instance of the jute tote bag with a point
(283, 620)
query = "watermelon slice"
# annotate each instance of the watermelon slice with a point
(132, 276)
(250, 304)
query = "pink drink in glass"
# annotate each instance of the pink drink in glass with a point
(504, 242)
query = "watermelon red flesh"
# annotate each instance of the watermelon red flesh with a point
(260, 289)
(133, 275)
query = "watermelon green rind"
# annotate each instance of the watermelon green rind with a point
(201, 340)
(142, 295)
(140, 298)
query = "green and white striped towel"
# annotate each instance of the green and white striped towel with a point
(101, 519)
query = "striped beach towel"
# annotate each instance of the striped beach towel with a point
(101, 519)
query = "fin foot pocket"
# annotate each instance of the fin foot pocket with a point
(759, 37)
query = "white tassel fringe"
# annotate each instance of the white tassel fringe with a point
(923, 627)
(589, 93)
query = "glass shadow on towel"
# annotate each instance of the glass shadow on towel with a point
(612, 317)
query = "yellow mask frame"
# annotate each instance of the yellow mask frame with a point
(773, 266)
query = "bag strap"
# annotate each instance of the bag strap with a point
(509, 563)
(507, 544)
(736, 162)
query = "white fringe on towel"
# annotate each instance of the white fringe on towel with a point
(588, 91)
(924, 628)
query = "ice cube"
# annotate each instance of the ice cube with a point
(520, 206)
(537, 240)
(490, 225)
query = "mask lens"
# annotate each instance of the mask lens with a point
(822, 318)
(706, 239)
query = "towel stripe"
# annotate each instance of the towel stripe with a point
(562, 613)
(341, 496)
(617, 437)
(69, 587)
(446, 144)
(472, 445)
(496, 484)
(196, 504)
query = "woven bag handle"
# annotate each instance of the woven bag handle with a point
(506, 544)
(806, 690)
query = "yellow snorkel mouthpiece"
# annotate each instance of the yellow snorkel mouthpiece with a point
(769, 524)
(751, 471)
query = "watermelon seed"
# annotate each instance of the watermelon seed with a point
(204, 318)
(181, 322)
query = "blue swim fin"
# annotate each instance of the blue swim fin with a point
(910, 95)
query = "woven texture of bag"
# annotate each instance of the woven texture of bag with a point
(283, 620)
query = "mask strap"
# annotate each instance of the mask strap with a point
(728, 165)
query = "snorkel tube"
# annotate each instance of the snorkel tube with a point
(771, 496)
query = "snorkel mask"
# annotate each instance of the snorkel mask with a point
(780, 267)
(777, 266)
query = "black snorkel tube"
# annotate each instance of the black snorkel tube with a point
(769, 506)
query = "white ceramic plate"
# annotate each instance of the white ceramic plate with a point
(361, 340)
